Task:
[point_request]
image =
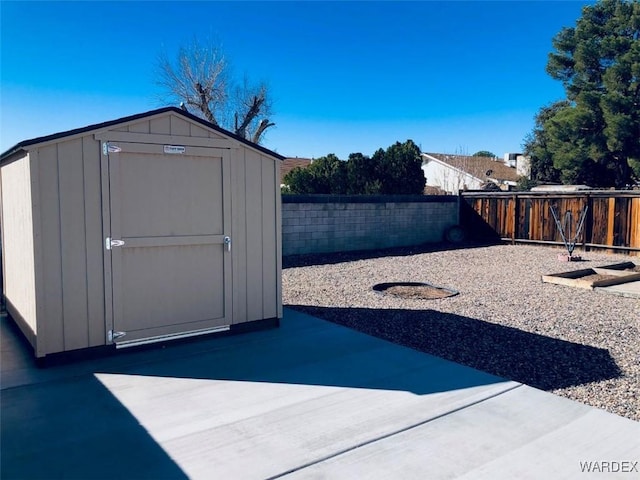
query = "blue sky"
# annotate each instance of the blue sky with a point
(455, 76)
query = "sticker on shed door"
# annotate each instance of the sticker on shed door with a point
(172, 273)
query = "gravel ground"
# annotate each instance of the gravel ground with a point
(581, 344)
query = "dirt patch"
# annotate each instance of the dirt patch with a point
(596, 277)
(414, 291)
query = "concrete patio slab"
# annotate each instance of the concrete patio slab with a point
(308, 400)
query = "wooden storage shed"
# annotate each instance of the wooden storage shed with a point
(146, 228)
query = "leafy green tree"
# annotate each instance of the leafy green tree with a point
(399, 169)
(593, 137)
(395, 171)
(299, 181)
(362, 178)
(324, 176)
(330, 172)
(484, 153)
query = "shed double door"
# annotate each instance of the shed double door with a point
(169, 243)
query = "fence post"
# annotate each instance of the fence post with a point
(516, 210)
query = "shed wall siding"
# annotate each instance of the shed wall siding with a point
(72, 241)
(255, 233)
(18, 246)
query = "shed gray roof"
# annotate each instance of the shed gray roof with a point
(47, 138)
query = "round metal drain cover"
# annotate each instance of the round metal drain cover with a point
(414, 290)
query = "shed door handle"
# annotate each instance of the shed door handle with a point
(227, 242)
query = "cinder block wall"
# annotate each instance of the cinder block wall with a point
(332, 223)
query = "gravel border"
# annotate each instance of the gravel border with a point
(581, 344)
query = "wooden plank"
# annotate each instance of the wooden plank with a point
(525, 219)
(614, 272)
(239, 235)
(634, 240)
(179, 126)
(277, 166)
(569, 282)
(38, 240)
(623, 214)
(227, 258)
(618, 266)
(161, 140)
(588, 223)
(106, 232)
(599, 227)
(157, 149)
(634, 277)
(50, 328)
(611, 215)
(141, 127)
(18, 258)
(94, 241)
(269, 239)
(73, 246)
(515, 222)
(160, 125)
(536, 219)
(115, 231)
(572, 274)
(254, 236)
(198, 131)
(173, 241)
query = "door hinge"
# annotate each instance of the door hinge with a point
(107, 148)
(113, 336)
(109, 243)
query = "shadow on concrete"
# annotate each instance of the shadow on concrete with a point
(76, 429)
(536, 360)
(305, 351)
(62, 422)
(291, 261)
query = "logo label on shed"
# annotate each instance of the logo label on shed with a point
(175, 149)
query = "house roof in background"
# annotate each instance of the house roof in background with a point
(479, 166)
(290, 163)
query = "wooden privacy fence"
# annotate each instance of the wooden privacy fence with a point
(612, 218)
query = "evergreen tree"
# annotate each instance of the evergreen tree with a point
(593, 137)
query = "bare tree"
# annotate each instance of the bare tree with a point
(253, 107)
(200, 80)
(457, 176)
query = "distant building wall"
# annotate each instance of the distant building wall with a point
(449, 179)
(332, 223)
